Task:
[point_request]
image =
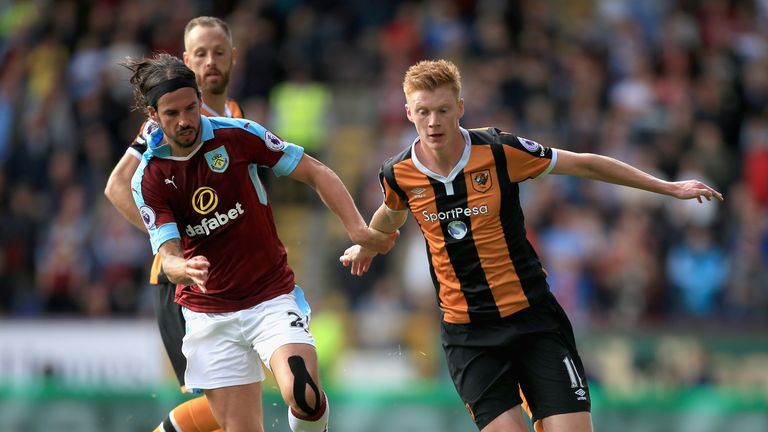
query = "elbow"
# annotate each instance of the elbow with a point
(109, 190)
(112, 189)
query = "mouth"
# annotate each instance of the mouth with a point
(212, 74)
(186, 132)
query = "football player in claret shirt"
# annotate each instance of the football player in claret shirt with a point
(504, 334)
(209, 52)
(210, 219)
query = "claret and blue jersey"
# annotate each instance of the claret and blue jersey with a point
(214, 202)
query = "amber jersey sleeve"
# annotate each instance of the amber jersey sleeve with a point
(480, 260)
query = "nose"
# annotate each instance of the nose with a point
(185, 119)
(433, 120)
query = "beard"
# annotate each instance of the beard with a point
(186, 141)
(216, 88)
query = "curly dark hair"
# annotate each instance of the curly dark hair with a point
(149, 72)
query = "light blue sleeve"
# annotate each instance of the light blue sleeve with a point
(157, 234)
(292, 155)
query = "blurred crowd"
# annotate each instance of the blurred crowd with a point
(678, 88)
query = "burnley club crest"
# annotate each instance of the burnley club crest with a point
(218, 159)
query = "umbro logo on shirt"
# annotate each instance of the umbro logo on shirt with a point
(419, 192)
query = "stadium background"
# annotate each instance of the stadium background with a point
(669, 299)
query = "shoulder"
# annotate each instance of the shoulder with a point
(404, 155)
(235, 108)
(493, 135)
(227, 124)
(485, 135)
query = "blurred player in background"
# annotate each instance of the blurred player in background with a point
(502, 329)
(209, 218)
(209, 52)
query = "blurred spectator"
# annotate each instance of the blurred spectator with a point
(679, 88)
(697, 269)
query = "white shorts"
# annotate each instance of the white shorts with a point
(223, 349)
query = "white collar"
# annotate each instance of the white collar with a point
(456, 169)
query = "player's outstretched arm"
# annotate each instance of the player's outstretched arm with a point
(118, 190)
(337, 198)
(193, 271)
(359, 258)
(610, 170)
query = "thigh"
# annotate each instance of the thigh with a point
(485, 378)
(281, 366)
(295, 369)
(170, 322)
(552, 376)
(508, 421)
(571, 422)
(217, 353)
(237, 408)
(275, 323)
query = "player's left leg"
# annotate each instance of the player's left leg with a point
(280, 334)
(571, 422)
(552, 374)
(295, 369)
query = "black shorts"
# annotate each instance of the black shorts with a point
(172, 326)
(533, 350)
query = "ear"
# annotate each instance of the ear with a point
(185, 56)
(234, 56)
(461, 107)
(152, 113)
(408, 113)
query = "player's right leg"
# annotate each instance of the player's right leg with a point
(484, 377)
(238, 408)
(221, 362)
(193, 415)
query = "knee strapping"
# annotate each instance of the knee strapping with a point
(302, 379)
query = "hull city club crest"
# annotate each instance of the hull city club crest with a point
(481, 180)
(218, 159)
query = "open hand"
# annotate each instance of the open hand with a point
(359, 258)
(688, 189)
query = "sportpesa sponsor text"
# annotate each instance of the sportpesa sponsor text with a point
(454, 213)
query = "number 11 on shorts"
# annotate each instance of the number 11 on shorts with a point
(573, 374)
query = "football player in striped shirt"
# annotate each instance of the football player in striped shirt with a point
(504, 334)
(209, 52)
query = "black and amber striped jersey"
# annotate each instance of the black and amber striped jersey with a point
(139, 146)
(483, 266)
